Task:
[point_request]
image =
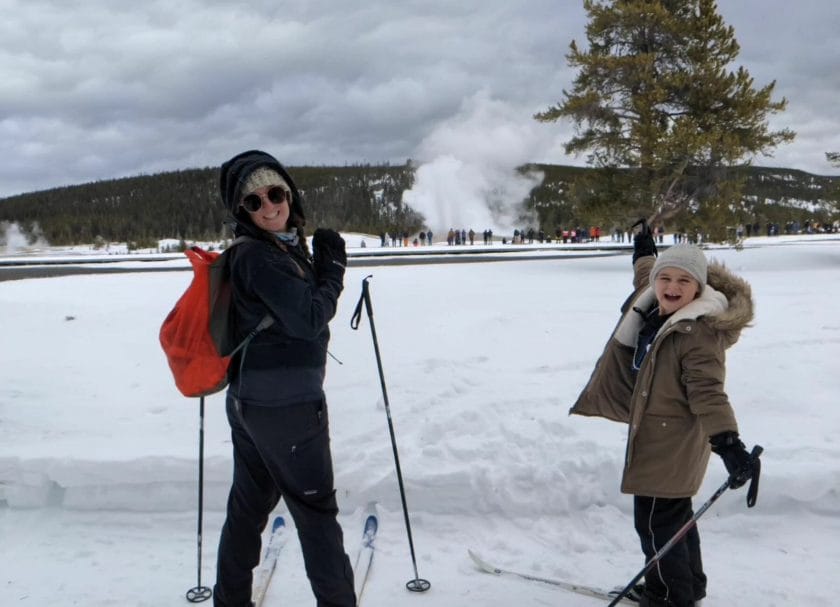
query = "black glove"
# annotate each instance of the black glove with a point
(740, 465)
(643, 243)
(330, 256)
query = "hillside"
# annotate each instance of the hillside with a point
(185, 204)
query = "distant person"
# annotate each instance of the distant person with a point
(275, 401)
(662, 372)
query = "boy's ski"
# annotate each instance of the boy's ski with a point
(598, 593)
(364, 559)
(262, 576)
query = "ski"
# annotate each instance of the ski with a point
(364, 559)
(597, 593)
(262, 577)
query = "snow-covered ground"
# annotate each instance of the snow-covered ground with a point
(98, 451)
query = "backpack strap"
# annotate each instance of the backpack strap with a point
(221, 305)
(265, 323)
(238, 240)
(268, 319)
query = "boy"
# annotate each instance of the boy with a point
(662, 372)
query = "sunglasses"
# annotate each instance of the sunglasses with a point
(276, 195)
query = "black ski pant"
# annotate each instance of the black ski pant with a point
(677, 580)
(282, 451)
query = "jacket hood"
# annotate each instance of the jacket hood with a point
(235, 171)
(740, 311)
(725, 305)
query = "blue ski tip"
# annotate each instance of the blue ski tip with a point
(371, 524)
(278, 522)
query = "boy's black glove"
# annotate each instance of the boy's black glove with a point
(643, 243)
(330, 256)
(739, 463)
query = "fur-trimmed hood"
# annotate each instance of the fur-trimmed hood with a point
(725, 305)
(740, 311)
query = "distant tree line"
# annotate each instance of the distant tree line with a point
(185, 205)
(573, 196)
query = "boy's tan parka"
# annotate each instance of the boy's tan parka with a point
(678, 399)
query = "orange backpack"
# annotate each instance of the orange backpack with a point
(197, 334)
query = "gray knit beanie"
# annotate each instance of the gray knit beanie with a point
(686, 257)
(261, 177)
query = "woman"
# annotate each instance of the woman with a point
(662, 372)
(275, 401)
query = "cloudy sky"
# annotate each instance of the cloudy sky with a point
(98, 89)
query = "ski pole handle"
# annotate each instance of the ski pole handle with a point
(363, 298)
(752, 492)
(366, 295)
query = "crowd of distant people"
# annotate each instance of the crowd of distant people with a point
(791, 227)
(578, 234)
(401, 239)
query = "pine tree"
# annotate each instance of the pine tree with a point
(654, 92)
(834, 193)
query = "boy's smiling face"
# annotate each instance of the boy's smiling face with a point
(674, 289)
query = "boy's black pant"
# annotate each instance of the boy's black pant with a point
(677, 580)
(282, 451)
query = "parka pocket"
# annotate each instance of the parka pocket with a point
(668, 458)
(664, 433)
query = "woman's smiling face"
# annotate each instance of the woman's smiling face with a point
(674, 289)
(271, 216)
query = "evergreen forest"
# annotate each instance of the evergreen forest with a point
(185, 204)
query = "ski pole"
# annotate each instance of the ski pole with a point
(200, 593)
(417, 584)
(685, 529)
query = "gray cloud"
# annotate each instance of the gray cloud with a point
(96, 89)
